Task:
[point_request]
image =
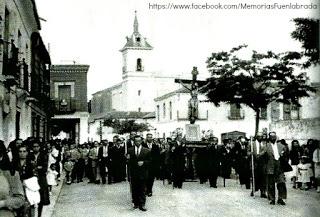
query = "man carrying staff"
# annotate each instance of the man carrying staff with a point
(138, 161)
(259, 149)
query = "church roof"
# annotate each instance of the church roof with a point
(119, 115)
(136, 40)
(167, 95)
(150, 115)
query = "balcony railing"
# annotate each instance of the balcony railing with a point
(24, 81)
(10, 61)
(64, 106)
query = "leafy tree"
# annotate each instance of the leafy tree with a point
(257, 81)
(126, 126)
(307, 32)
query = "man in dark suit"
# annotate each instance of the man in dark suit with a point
(118, 161)
(213, 161)
(130, 142)
(260, 177)
(154, 164)
(178, 156)
(274, 152)
(139, 158)
(104, 161)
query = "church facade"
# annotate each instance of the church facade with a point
(145, 95)
(138, 88)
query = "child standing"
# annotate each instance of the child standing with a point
(52, 176)
(304, 173)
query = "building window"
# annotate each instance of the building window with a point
(139, 64)
(263, 113)
(170, 110)
(7, 25)
(158, 112)
(139, 109)
(139, 92)
(235, 112)
(64, 92)
(19, 40)
(164, 110)
(138, 39)
(290, 112)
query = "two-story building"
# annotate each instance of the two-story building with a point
(68, 85)
(288, 121)
(223, 121)
(24, 73)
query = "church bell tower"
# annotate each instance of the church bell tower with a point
(135, 53)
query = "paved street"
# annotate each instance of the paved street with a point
(194, 200)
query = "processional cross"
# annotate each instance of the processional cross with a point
(194, 90)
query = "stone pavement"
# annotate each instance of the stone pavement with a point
(194, 200)
(56, 190)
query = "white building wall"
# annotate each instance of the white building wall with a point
(84, 131)
(25, 121)
(308, 125)
(119, 96)
(217, 119)
(130, 60)
(21, 19)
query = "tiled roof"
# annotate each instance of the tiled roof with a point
(136, 41)
(149, 115)
(69, 68)
(181, 90)
(120, 115)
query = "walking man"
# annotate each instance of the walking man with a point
(259, 148)
(103, 156)
(154, 164)
(139, 158)
(213, 162)
(274, 152)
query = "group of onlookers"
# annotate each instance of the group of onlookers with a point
(305, 161)
(25, 190)
(99, 162)
(29, 169)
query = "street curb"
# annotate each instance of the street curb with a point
(48, 210)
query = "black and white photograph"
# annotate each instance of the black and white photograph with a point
(162, 108)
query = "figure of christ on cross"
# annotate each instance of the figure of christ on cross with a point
(194, 90)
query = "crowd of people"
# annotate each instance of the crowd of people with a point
(29, 169)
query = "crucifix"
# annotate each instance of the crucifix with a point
(194, 90)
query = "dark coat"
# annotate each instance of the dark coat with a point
(213, 159)
(154, 165)
(100, 152)
(118, 162)
(25, 171)
(272, 167)
(260, 160)
(41, 168)
(138, 172)
(129, 143)
(295, 155)
(227, 160)
(178, 158)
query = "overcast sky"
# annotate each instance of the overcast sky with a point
(92, 32)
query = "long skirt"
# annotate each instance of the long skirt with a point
(317, 170)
